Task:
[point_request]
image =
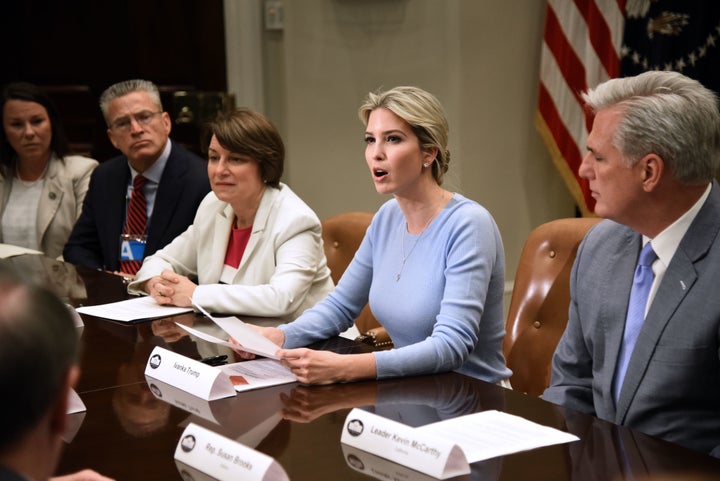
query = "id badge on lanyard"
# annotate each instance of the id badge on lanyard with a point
(132, 247)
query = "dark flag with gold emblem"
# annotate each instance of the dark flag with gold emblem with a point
(679, 35)
(589, 41)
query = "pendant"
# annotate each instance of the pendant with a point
(397, 278)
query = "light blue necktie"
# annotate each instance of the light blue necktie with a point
(642, 281)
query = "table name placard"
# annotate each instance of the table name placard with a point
(75, 404)
(181, 399)
(224, 459)
(381, 468)
(403, 445)
(76, 415)
(194, 377)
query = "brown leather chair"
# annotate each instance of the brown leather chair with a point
(342, 235)
(538, 311)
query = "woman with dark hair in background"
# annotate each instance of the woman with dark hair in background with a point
(42, 188)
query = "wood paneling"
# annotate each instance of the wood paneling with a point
(77, 48)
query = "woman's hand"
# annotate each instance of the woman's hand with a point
(305, 404)
(326, 367)
(168, 329)
(170, 288)
(272, 333)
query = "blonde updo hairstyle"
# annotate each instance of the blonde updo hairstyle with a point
(425, 115)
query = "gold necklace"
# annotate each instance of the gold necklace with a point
(402, 237)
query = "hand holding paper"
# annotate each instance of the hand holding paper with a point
(247, 338)
(263, 348)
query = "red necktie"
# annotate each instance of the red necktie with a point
(136, 220)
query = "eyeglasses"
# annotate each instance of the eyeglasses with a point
(143, 118)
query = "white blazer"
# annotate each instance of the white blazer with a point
(60, 205)
(282, 272)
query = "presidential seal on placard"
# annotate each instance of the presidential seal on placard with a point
(155, 361)
(155, 390)
(355, 427)
(188, 443)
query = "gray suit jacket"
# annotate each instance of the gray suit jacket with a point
(672, 384)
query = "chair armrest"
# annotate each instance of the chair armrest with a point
(377, 337)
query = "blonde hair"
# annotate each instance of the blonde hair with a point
(425, 114)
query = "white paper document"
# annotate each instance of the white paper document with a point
(248, 345)
(257, 373)
(421, 451)
(247, 338)
(136, 309)
(9, 250)
(489, 434)
(252, 374)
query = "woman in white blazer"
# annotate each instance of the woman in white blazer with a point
(255, 248)
(41, 187)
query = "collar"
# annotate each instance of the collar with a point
(155, 171)
(265, 208)
(666, 242)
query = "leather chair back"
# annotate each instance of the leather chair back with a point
(342, 235)
(538, 311)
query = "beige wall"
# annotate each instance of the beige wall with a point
(479, 57)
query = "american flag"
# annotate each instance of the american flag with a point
(581, 48)
(589, 41)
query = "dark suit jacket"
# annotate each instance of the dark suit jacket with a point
(7, 475)
(95, 239)
(672, 384)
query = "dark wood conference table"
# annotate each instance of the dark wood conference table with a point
(130, 434)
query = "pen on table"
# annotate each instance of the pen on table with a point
(215, 360)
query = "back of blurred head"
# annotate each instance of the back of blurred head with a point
(38, 358)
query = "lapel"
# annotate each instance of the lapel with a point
(260, 223)
(114, 198)
(619, 271)
(221, 237)
(5, 190)
(50, 198)
(167, 197)
(676, 284)
(619, 285)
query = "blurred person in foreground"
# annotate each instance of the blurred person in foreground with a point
(42, 187)
(153, 173)
(255, 247)
(431, 263)
(649, 362)
(38, 367)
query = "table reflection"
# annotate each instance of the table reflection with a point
(611, 452)
(413, 401)
(138, 411)
(128, 433)
(60, 277)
